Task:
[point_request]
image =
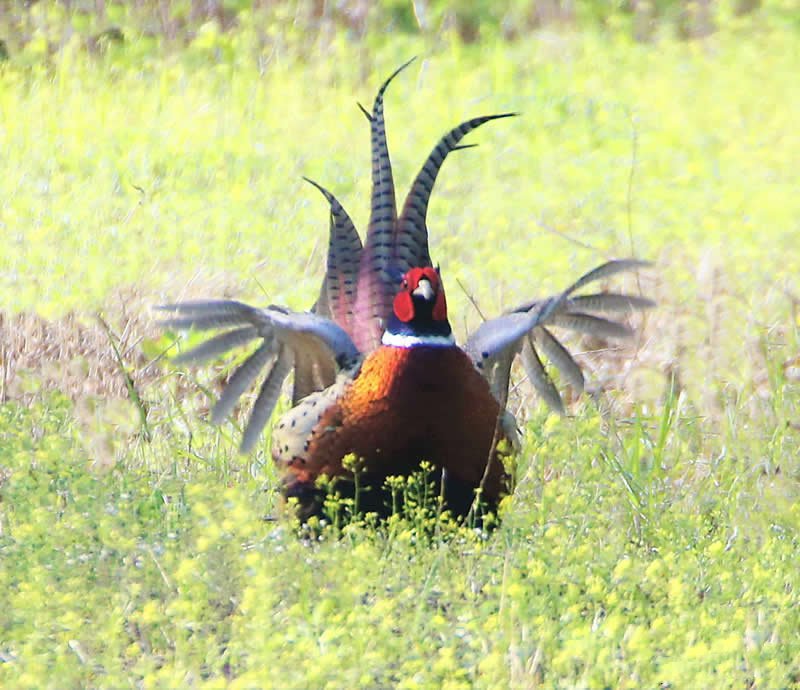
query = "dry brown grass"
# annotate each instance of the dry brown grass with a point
(73, 354)
(91, 355)
(683, 342)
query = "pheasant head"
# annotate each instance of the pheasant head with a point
(419, 312)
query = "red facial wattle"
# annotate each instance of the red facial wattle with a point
(404, 306)
(404, 300)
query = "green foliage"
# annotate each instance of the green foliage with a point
(653, 545)
(34, 31)
(158, 579)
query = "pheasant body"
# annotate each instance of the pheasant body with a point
(404, 406)
(377, 372)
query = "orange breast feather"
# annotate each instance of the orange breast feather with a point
(407, 405)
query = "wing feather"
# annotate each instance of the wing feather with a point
(266, 400)
(317, 347)
(591, 325)
(241, 380)
(218, 345)
(610, 302)
(497, 341)
(560, 357)
(539, 377)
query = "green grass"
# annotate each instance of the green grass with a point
(651, 541)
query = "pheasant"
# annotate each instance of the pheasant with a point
(417, 396)
(377, 371)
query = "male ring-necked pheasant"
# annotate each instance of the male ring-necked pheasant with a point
(377, 371)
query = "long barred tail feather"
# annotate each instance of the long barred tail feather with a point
(374, 291)
(338, 292)
(410, 242)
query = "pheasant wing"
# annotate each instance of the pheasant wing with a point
(315, 347)
(524, 330)
(495, 344)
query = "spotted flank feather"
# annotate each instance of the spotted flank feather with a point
(292, 434)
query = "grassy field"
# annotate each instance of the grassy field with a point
(653, 538)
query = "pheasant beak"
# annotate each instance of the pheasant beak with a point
(424, 290)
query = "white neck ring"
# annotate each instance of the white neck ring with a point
(404, 340)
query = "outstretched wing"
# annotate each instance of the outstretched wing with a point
(526, 331)
(314, 346)
(410, 242)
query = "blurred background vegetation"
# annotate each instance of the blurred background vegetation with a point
(37, 29)
(152, 151)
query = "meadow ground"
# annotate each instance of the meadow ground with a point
(653, 538)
